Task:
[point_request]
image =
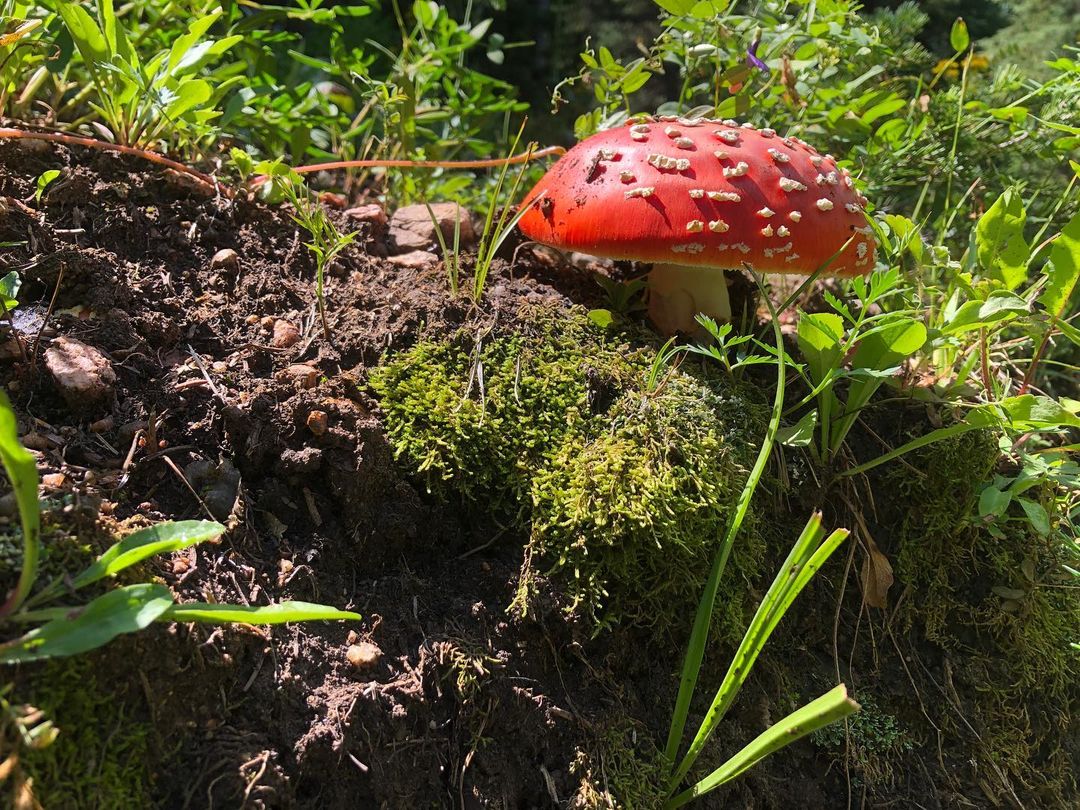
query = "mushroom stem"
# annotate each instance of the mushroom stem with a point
(677, 293)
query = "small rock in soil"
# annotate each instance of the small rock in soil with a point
(35, 441)
(372, 213)
(415, 260)
(82, 374)
(363, 656)
(102, 425)
(226, 259)
(53, 480)
(317, 422)
(285, 335)
(302, 375)
(332, 199)
(411, 227)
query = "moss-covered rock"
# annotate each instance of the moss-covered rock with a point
(1004, 616)
(623, 487)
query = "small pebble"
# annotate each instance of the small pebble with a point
(225, 259)
(285, 335)
(363, 656)
(317, 422)
(302, 375)
(103, 425)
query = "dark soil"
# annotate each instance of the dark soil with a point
(468, 706)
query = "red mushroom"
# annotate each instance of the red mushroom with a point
(696, 196)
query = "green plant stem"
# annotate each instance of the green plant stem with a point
(914, 444)
(699, 635)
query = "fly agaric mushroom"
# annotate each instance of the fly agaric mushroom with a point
(696, 196)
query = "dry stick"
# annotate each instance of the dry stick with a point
(105, 146)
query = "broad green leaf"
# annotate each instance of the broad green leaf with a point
(889, 344)
(1063, 270)
(163, 538)
(426, 12)
(801, 434)
(124, 610)
(9, 290)
(680, 8)
(993, 502)
(1029, 412)
(265, 614)
(999, 240)
(601, 317)
(907, 235)
(43, 181)
(958, 36)
(820, 337)
(21, 468)
(190, 94)
(831, 707)
(85, 33)
(1000, 305)
(1036, 515)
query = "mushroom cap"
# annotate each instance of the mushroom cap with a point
(702, 192)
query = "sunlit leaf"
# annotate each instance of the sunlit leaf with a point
(999, 240)
(256, 614)
(820, 336)
(999, 306)
(163, 538)
(801, 434)
(1063, 269)
(124, 610)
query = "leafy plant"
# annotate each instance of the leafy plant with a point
(810, 552)
(140, 99)
(327, 242)
(70, 629)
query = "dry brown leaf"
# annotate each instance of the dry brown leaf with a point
(877, 574)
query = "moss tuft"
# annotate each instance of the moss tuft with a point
(1012, 652)
(624, 491)
(630, 512)
(625, 772)
(101, 757)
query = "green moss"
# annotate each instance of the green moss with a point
(630, 512)
(623, 771)
(873, 738)
(1013, 653)
(623, 491)
(101, 757)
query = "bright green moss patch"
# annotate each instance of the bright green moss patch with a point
(624, 491)
(101, 757)
(629, 512)
(1012, 652)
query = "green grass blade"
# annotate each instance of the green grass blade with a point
(21, 468)
(699, 636)
(124, 610)
(832, 706)
(138, 546)
(256, 614)
(806, 558)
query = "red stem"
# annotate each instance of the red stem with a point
(105, 146)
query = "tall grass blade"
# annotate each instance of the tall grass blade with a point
(807, 556)
(832, 706)
(699, 635)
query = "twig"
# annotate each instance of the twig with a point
(105, 146)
